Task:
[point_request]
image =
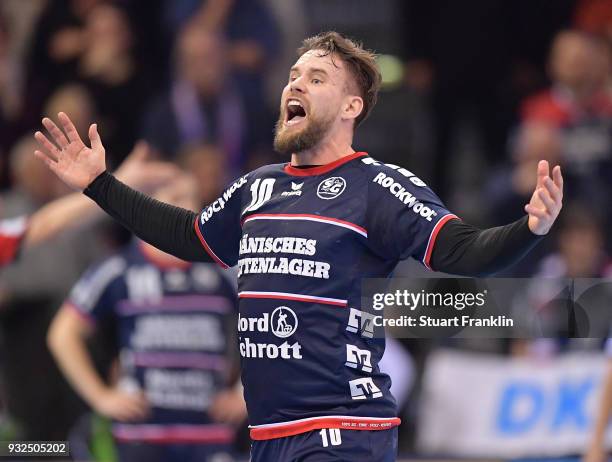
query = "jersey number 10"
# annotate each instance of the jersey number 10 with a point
(334, 437)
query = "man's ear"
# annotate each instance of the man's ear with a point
(353, 106)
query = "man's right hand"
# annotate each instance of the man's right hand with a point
(121, 405)
(69, 158)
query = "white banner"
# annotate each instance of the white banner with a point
(477, 405)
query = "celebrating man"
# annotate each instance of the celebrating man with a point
(304, 234)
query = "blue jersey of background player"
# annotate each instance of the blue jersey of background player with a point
(175, 324)
(302, 243)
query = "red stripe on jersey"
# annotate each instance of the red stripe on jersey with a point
(319, 170)
(293, 297)
(432, 238)
(210, 251)
(307, 216)
(268, 432)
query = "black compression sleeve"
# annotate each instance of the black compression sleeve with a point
(164, 226)
(468, 251)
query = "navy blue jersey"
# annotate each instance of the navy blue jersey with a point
(303, 239)
(173, 326)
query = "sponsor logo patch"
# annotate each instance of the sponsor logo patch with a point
(364, 388)
(283, 323)
(296, 190)
(402, 194)
(330, 188)
(358, 358)
(361, 322)
(219, 204)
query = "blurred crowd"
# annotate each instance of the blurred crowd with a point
(485, 89)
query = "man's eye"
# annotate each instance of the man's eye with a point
(292, 78)
(316, 81)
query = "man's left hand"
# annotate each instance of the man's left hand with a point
(547, 199)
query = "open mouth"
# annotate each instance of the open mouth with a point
(295, 112)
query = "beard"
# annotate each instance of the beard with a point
(288, 142)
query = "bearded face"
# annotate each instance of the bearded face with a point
(299, 128)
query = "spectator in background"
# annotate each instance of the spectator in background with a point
(32, 186)
(595, 17)
(250, 29)
(74, 99)
(203, 104)
(581, 247)
(579, 70)
(10, 101)
(253, 43)
(578, 106)
(178, 397)
(114, 77)
(58, 42)
(206, 163)
(467, 54)
(511, 185)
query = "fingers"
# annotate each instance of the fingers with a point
(543, 171)
(69, 127)
(50, 149)
(133, 411)
(49, 162)
(94, 137)
(132, 407)
(536, 212)
(554, 192)
(558, 178)
(546, 200)
(56, 133)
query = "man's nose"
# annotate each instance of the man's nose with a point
(297, 85)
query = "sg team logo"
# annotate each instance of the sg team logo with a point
(331, 188)
(284, 322)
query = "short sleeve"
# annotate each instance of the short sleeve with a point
(12, 232)
(96, 294)
(403, 216)
(218, 226)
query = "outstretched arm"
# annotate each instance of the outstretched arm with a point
(166, 227)
(76, 210)
(465, 250)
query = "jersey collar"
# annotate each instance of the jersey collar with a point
(321, 169)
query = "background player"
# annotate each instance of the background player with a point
(383, 214)
(176, 398)
(75, 210)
